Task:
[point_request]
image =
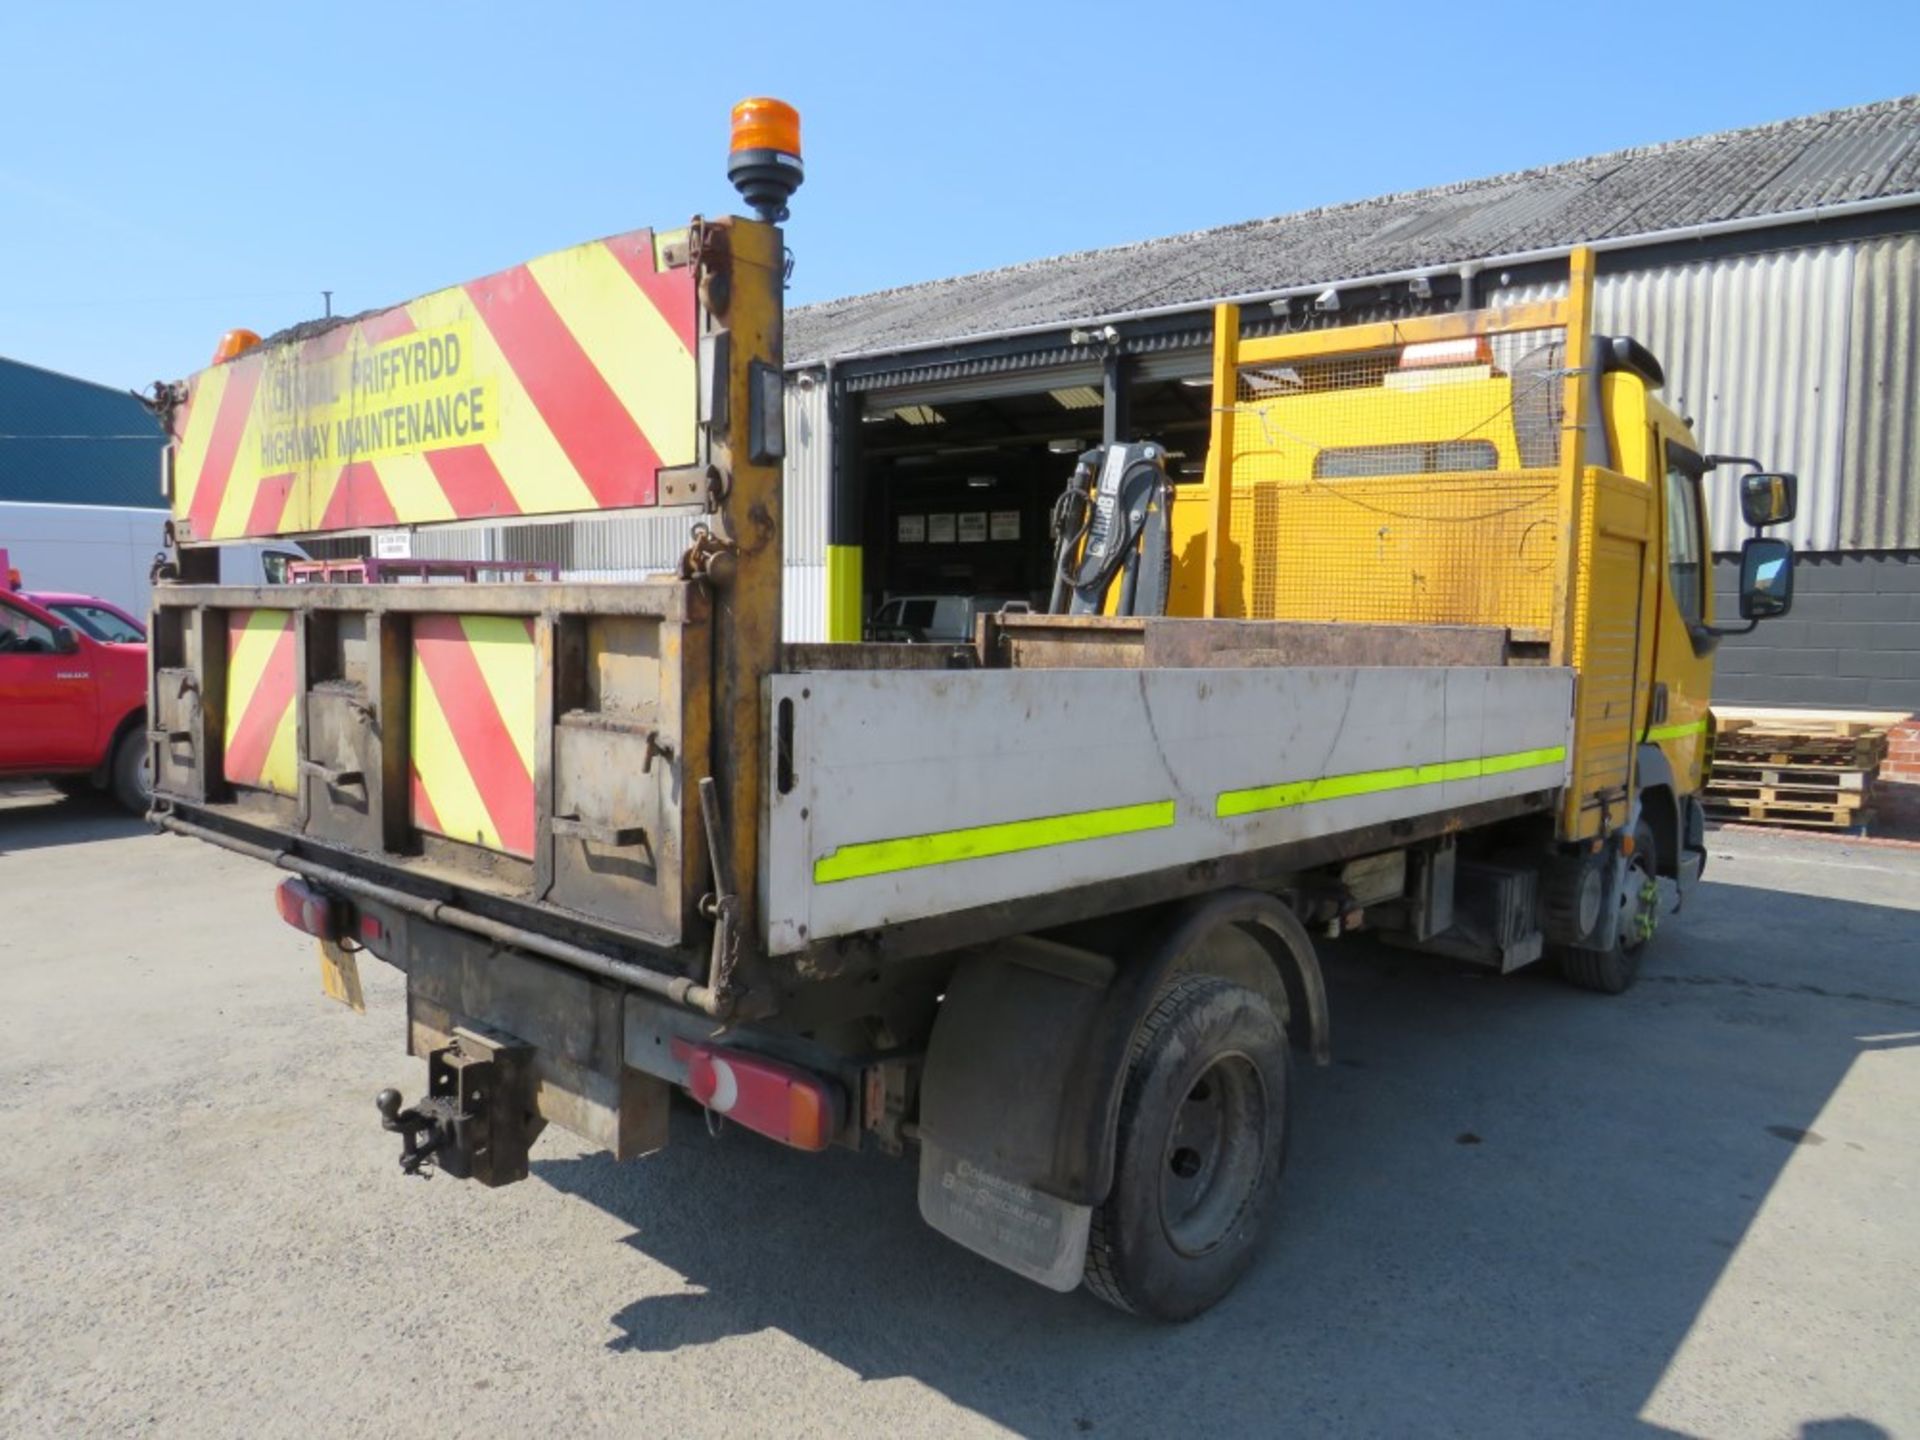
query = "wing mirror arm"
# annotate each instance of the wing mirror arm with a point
(1706, 638)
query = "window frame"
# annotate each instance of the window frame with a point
(94, 614)
(1688, 469)
(8, 610)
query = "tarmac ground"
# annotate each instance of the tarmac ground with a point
(1511, 1208)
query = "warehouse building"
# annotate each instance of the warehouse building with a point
(1775, 271)
(66, 441)
(80, 501)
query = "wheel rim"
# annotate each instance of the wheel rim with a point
(1214, 1153)
(1639, 905)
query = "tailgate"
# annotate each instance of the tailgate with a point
(527, 741)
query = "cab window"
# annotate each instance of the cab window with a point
(101, 623)
(21, 634)
(1686, 560)
(1354, 462)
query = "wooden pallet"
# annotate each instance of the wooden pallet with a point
(1789, 795)
(1801, 739)
(1809, 776)
(1864, 753)
(1835, 724)
(1819, 817)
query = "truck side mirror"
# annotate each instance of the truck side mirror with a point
(1768, 498)
(65, 640)
(1766, 578)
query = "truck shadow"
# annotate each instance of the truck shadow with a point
(1507, 1204)
(34, 817)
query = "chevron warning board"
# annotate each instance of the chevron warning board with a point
(474, 680)
(565, 384)
(259, 749)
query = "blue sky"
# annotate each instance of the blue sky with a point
(169, 173)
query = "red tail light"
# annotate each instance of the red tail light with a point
(308, 909)
(779, 1101)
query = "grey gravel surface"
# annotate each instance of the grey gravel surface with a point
(1512, 1209)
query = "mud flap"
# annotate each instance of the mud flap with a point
(340, 976)
(1032, 1234)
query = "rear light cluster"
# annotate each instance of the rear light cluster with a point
(779, 1101)
(309, 909)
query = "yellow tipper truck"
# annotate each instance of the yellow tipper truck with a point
(1426, 654)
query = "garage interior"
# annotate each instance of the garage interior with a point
(953, 485)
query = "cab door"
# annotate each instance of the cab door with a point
(1683, 650)
(48, 701)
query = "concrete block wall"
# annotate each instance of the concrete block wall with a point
(1852, 641)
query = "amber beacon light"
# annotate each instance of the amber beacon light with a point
(234, 342)
(763, 160)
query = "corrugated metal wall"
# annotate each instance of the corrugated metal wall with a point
(632, 546)
(1804, 358)
(1880, 459)
(809, 472)
(1776, 329)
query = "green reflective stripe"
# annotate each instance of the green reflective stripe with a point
(1369, 782)
(914, 852)
(1677, 732)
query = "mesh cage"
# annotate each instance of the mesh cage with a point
(1418, 485)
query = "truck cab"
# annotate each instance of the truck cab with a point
(1459, 471)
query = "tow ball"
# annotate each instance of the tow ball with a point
(476, 1121)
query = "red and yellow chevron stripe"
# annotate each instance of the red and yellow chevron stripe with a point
(259, 749)
(563, 384)
(472, 729)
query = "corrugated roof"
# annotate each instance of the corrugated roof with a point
(72, 442)
(1864, 153)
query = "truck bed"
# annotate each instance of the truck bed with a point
(907, 796)
(907, 809)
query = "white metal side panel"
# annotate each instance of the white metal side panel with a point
(808, 471)
(803, 603)
(918, 794)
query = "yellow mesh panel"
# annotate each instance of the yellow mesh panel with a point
(1414, 486)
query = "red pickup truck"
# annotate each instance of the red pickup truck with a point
(73, 694)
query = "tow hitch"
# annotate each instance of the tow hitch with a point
(476, 1121)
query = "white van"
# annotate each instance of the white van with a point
(108, 551)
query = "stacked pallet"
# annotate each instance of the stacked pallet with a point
(1796, 767)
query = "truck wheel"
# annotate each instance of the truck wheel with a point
(1201, 1142)
(1612, 972)
(132, 762)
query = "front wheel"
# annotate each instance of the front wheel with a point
(132, 771)
(1201, 1144)
(1612, 972)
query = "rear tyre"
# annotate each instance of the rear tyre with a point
(1612, 972)
(1201, 1143)
(132, 761)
